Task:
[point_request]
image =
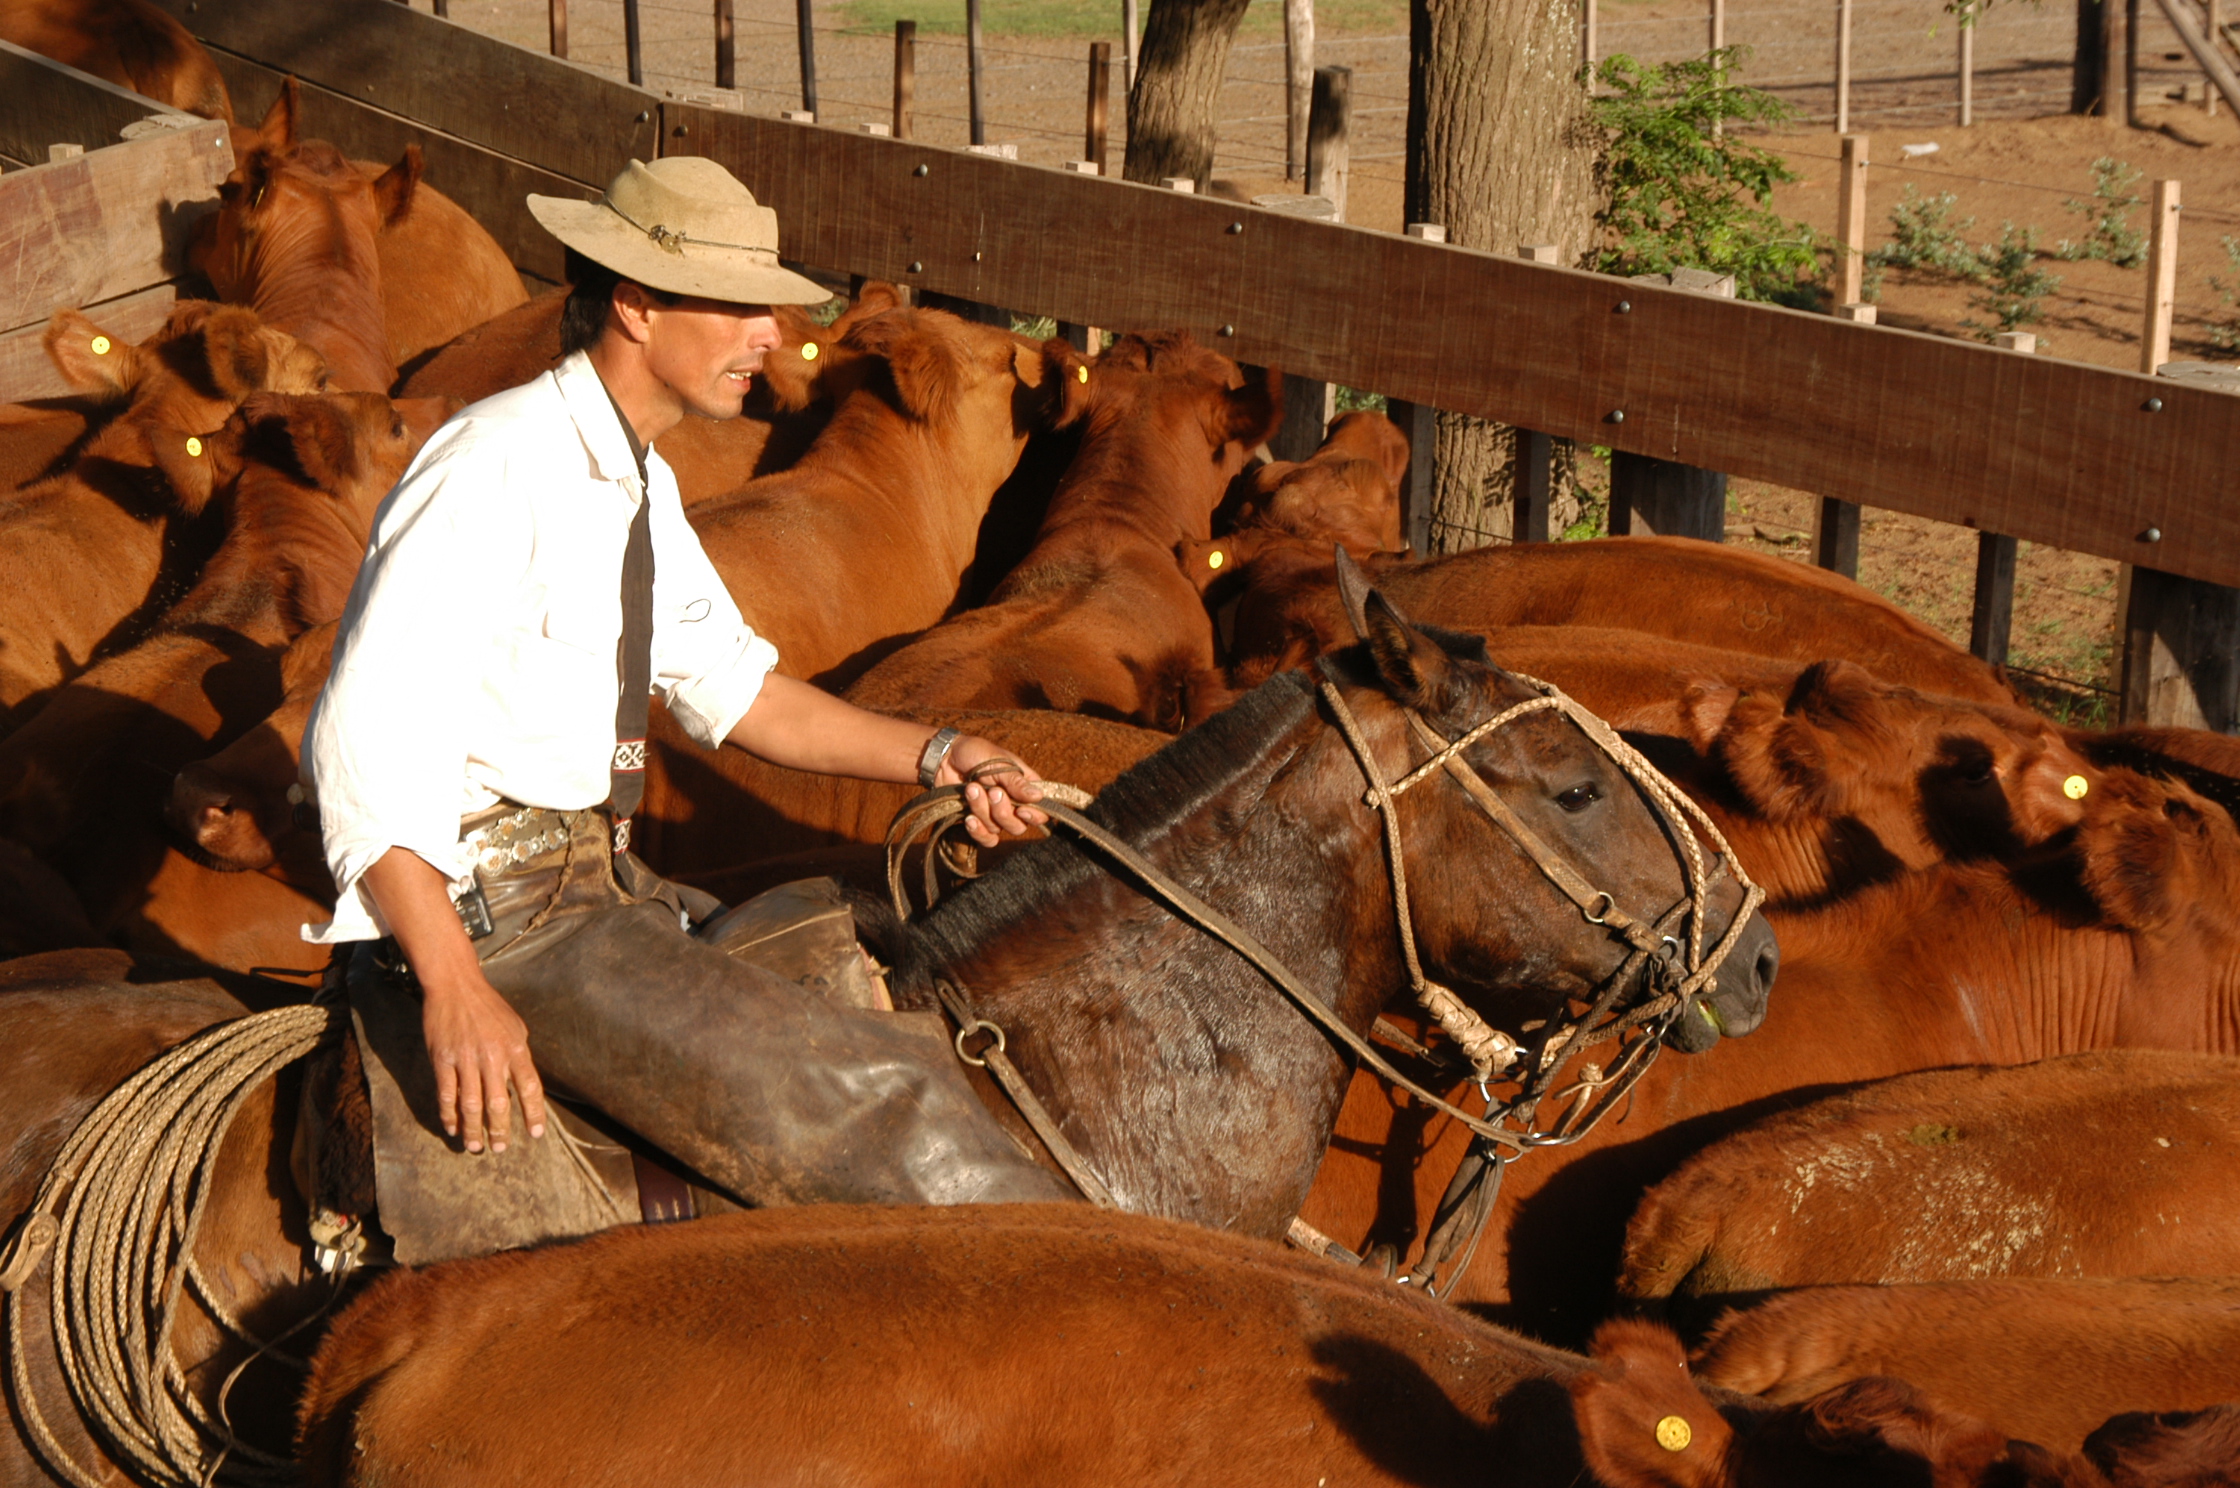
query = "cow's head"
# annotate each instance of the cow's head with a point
(238, 811)
(278, 200)
(2156, 857)
(1931, 778)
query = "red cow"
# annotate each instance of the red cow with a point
(1962, 1174)
(82, 783)
(1347, 493)
(1098, 617)
(1677, 587)
(1050, 1343)
(2039, 1358)
(128, 42)
(87, 550)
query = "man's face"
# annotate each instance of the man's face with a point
(707, 351)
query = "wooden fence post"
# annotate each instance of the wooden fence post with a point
(1532, 461)
(633, 43)
(2181, 652)
(975, 57)
(1298, 84)
(1130, 34)
(1588, 39)
(1967, 72)
(905, 76)
(1663, 497)
(2130, 113)
(1843, 68)
(1328, 152)
(1718, 24)
(805, 30)
(2162, 277)
(727, 50)
(1991, 619)
(1100, 103)
(2209, 93)
(1420, 422)
(558, 13)
(1835, 522)
(1851, 219)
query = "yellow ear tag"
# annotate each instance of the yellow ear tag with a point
(808, 351)
(2075, 787)
(1673, 1434)
(1215, 558)
(194, 446)
(101, 346)
(1081, 374)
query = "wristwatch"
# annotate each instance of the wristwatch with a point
(936, 751)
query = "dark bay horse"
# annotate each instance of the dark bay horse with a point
(1174, 1067)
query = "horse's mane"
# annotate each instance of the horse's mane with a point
(1151, 798)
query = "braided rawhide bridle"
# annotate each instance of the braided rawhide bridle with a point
(1506, 1130)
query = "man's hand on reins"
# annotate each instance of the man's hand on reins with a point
(476, 1041)
(998, 788)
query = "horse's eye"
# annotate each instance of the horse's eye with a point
(1579, 797)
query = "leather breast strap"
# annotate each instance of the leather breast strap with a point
(634, 666)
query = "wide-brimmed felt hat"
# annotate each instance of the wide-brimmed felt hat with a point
(685, 225)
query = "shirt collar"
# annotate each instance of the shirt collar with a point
(596, 417)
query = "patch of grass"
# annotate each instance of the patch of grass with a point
(2014, 287)
(1351, 400)
(1092, 20)
(1686, 195)
(2111, 237)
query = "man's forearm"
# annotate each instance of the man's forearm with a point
(806, 728)
(416, 901)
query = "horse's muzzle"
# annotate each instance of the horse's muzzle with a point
(1735, 1003)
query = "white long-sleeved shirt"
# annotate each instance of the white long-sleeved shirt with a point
(476, 657)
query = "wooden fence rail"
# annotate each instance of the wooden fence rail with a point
(2120, 465)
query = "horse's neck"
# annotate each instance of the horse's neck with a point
(1188, 1082)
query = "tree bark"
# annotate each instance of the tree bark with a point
(1171, 107)
(1502, 151)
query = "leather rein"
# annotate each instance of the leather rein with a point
(1678, 972)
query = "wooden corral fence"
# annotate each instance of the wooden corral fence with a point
(97, 216)
(2120, 465)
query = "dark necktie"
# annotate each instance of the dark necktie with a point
(634, 664)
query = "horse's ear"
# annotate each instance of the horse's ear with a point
(1416, 669)
(1353, 592)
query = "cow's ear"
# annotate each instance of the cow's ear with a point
(1255, 411)
(1064, 376)
(2139, 849)
(324, 441)
(395, 187)
(236, 352)
(928, 371)
(278, 131)
(1353, 592)
(1705, 707)
(196, 466)
(91, 360)
(875, 296)
(794, 372)
(1416, 670)
(1777, 761)
(2048, 791)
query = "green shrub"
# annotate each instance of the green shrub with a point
(1924, 236)
(1686, 195)
(2013, 284)
(2111, 238)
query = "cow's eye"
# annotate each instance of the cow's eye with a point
(1579, 797)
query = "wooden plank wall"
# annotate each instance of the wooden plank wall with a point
(44, 103)
(2057, 452)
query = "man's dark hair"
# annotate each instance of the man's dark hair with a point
(590, 290)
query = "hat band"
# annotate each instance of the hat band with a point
(670, 240)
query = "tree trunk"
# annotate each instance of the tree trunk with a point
(1171, 106)
(1502, 151)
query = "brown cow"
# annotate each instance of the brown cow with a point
(90, 550)
(1643, 1422)
(295, 237)
(38, 439)
(1098, 618)
(441, 273)
(81, 783)
(1677, 587)
(128, 42)
(1347, 493)
(2119, 934)
(2039, 1358)
(785, 410)
(1052, 1343)
(1958, 1175)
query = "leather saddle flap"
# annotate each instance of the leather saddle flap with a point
(802, 931)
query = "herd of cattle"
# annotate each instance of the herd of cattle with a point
(1959, 1194)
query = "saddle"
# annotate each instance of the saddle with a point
(385, 1185)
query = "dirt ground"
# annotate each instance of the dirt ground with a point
(2020, 162)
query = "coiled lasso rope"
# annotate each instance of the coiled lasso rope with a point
(119, 1211)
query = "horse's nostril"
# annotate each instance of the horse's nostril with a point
(1769, 963)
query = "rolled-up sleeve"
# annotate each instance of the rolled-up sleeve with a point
(387, 745)
(708, 664)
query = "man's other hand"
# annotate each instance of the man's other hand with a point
(478, 1043)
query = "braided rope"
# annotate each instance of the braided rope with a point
(120, 1209)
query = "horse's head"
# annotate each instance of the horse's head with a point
(1548, 868)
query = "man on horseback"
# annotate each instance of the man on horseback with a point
(479, 750)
